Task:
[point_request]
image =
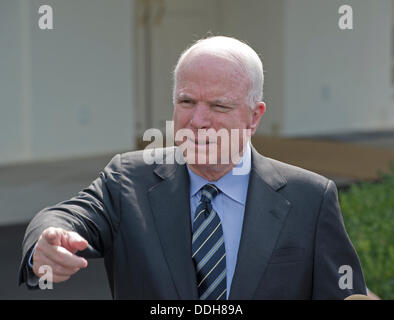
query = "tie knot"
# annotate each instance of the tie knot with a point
(209, 191)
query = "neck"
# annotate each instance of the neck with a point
(211, 172)
(214, 172)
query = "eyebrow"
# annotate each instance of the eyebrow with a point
(222, 101)
(183, 96)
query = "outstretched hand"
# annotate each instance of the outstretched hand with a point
(56, 248)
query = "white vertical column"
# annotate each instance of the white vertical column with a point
(26, 22)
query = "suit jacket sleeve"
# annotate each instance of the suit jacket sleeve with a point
(337, 271)
(93, 213)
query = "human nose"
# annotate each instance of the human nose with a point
(201, 117)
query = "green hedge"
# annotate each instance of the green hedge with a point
(368, 213)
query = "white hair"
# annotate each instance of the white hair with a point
(236, 51)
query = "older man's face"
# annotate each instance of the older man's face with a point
(212, 93)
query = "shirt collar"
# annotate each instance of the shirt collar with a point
(234, 186)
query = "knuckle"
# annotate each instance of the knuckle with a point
(48, 230)
(51, 231)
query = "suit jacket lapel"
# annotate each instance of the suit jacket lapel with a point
(265, 213)
(170, 203)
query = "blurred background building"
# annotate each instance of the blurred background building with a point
(74, 96)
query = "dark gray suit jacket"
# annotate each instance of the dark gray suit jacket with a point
(137, 216)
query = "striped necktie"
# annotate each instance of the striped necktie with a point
(208, 251)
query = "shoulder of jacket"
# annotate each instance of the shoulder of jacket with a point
(295, 175)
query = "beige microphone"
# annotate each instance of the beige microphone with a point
(359, 297)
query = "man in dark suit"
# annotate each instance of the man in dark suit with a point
(250, 228)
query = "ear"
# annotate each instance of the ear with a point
(256, 115)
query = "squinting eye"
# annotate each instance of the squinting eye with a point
(185, 102)
(221, 108)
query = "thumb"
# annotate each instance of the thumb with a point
(76, 242)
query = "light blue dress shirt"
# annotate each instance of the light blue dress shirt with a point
(229, 204)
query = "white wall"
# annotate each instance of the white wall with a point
(180, 23)
(337, 80)
(260, 24)
(12, 144)
(318, 79)
(69, 91)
